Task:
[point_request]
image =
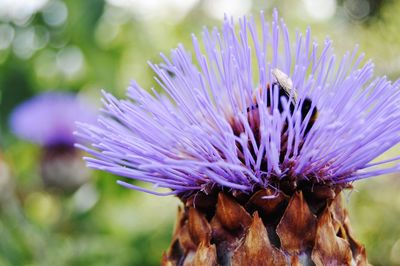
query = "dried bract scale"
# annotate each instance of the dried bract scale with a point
(256, 248)
(301, 237)
(330, 249)
(296, 230)
(257, 134)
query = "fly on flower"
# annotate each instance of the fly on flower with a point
(244, 156)
(284, 85)
(284, 82)
(306, 107)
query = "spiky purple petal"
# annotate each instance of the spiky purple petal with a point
(201, 133)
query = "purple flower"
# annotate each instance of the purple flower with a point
(252, 108)
(49, 118)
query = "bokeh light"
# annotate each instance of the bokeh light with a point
(320, 10)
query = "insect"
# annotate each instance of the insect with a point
(285, 86)
(284, 82)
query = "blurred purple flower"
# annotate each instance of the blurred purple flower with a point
(49, 118)
(222, 125)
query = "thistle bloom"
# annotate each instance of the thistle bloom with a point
(254, 123)
(202, 134)
(49, 120)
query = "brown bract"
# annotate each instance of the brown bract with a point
(269, 204)
(199, 228)
(297, 227)
(231, 214)
(330, 249)
(265, 229)
(256, 248)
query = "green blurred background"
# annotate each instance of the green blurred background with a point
(84, 46)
